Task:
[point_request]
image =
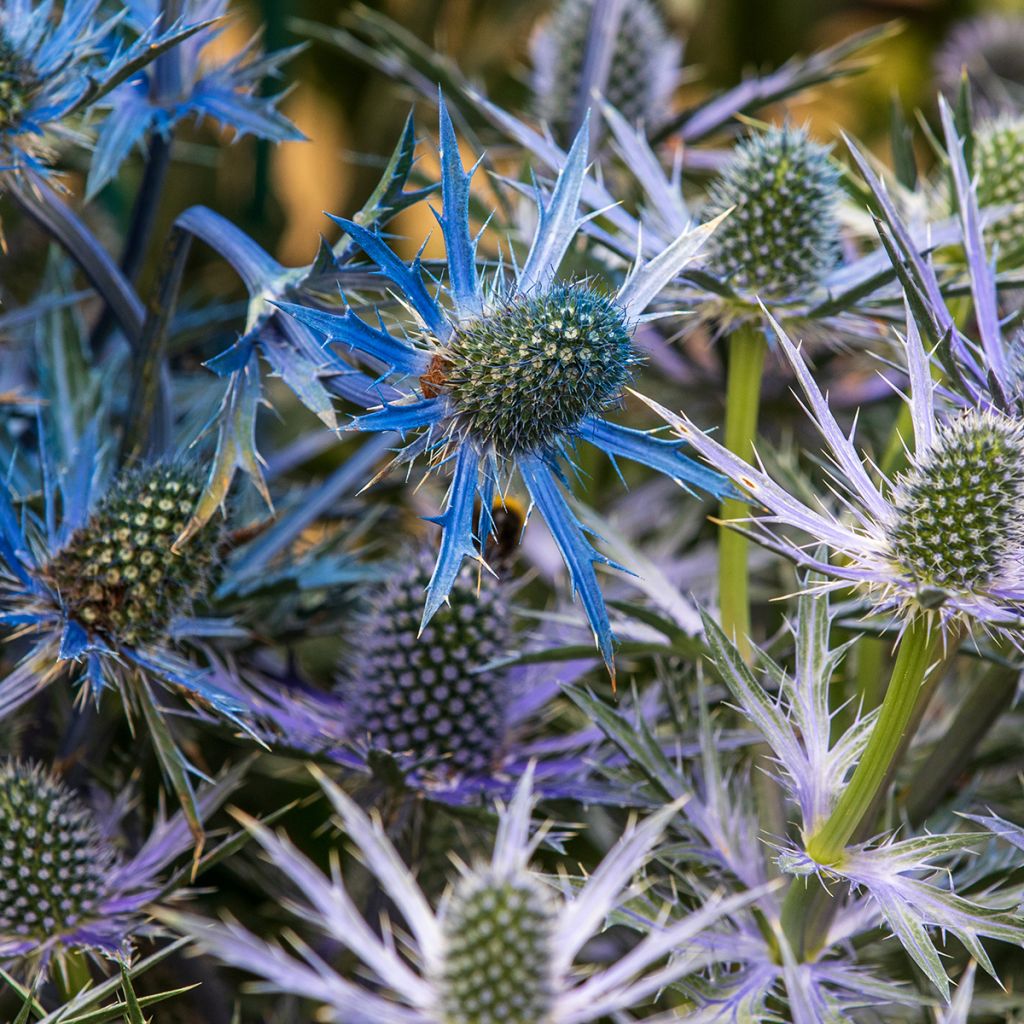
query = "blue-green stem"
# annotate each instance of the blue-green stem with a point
(917, 650)
(747, 348)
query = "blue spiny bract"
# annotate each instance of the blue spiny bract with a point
(782, 237)
(497, 956)
(430, 697)
(959, 512)
(523, 377)
(15, 84)
(53, 858)
(119, 575)
(999, 162)
(641, 74)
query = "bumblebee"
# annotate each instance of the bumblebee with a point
(509, 518)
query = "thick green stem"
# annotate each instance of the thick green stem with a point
(917, 651)
(747, 348)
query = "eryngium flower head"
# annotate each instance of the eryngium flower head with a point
(51, 69)
(946, 536)
(999, 167)
(119, 574)
(501, 946)
(54, 860)
(991, 49)
(431, 698)
(524, 377)
(63, 884)
(958, 513)
(450, 388)
(498, 933)
(641, 71)
(782, 237)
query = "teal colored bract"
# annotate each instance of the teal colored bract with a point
(497, 962)
(428, 696)
(53, 860)
(118, 575)
(523, 377)
(782, 236)
(958, 512)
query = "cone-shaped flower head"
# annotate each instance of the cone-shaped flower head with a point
(958, 513)
(56, 60)
(502, 946)
(499, 933)
(118, 574)
(999, 165)
(64, 884)
(523, 378)
(431, 696)
(54, 859)
(945, 536)
(507, 372)
(782, 237)
(635, 70)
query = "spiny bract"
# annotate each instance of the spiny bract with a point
(118, 575)
(641, 73)
(53, 856)
(430, 697)
(999, 162)
(959, 513)
(497, 953)
(782, 236)
(15, 84)
(522, 377)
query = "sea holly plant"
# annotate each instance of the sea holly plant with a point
(68, 888)
(447, 714)
(909, 883)
(55, 63)
(98, 598)
(501, 947)
(508, 374)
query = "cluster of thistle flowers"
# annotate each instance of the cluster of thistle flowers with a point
(157, 617)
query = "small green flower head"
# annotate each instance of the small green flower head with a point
(429, 696)
(782, 237)
(119, 575)
(15, 85)
(959, 512)
(54, 860)
(642, 72)
(522, 377)
(497, 952)
(999, 163)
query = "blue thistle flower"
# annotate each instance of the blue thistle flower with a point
(508, 377)
(623, 52)
(65, 884)
(782, 238)
(194, 85)
(503, 945)
(944, 537)
(103, 593)
(440, 712)
(51, 69)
